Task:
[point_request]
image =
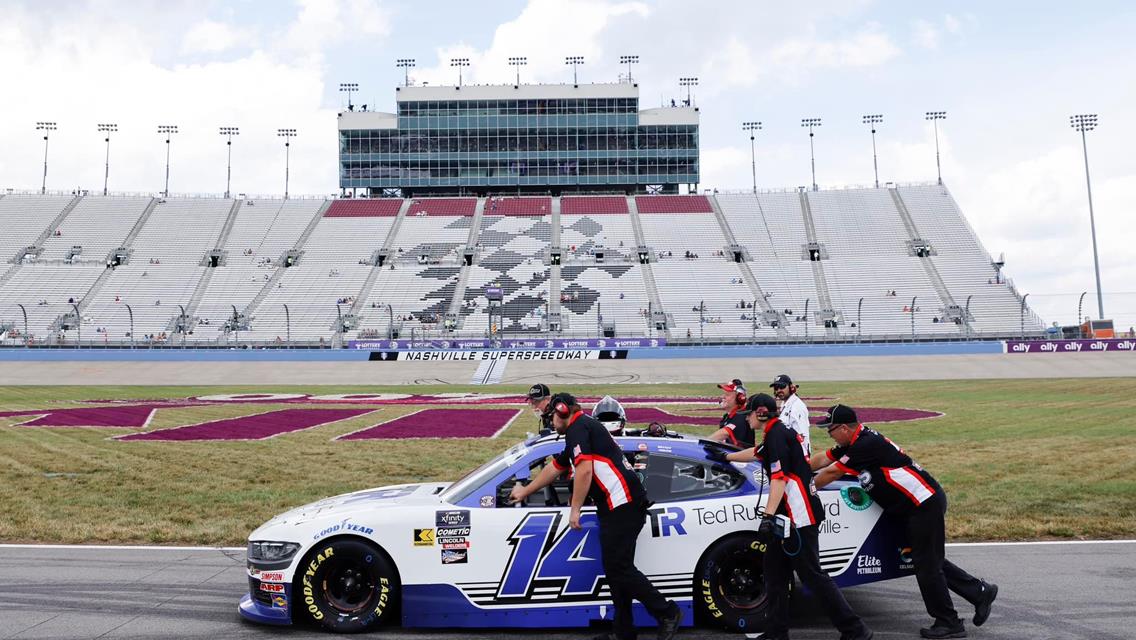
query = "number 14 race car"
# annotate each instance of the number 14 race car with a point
(459, 555)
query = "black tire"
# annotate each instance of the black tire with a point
(729, 589)
(347, 586)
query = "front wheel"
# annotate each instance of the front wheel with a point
(730, 586)
(347, 586)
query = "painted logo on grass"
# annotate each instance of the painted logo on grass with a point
(460, 415)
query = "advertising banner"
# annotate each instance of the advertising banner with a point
(529, 343)
(1069, 346)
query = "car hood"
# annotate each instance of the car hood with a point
(366, 500)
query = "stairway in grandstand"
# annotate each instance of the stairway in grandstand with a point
(910, 240)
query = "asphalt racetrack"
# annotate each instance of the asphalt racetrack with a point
(1047, 591)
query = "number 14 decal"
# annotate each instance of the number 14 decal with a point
(573, 559)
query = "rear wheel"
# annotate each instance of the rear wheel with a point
(730, 587)
(347, 586)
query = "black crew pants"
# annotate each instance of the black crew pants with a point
(937, 576)
(779, 567)
(619, 531)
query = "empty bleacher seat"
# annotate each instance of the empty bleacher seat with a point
(673, 204)
(442, 207)
(593, 204)
(378, 207)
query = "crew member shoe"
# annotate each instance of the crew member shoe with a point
(982, 609)
(668, 624)
(940, 631)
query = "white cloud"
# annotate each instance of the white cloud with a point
(925, 34)
(209, 36)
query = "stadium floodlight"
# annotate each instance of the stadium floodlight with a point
(1087, 122)
(518, 62)
(349, 88)
(168, 130)
(575, 61)
(812, 123)
(459, 63)
(688, 83)
(287, 134)
(935, 117)
(873, 120)
(229, 132)
(107, 129)
(405, 64)
(46, 128)
(751, 127)
(629, 60)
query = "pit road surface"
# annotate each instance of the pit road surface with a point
(1059, 591)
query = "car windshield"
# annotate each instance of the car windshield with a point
(459, 490)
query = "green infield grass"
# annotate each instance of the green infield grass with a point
(1020, 459)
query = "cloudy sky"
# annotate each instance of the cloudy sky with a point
(1008, 74)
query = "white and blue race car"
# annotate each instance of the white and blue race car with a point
(459, 555)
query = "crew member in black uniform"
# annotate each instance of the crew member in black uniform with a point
(791, 494)
(538, 396)
(602, 473)
(904, 489)
(733, 427)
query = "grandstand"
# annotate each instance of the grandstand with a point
(891, 263)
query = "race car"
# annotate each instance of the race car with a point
(460, 555)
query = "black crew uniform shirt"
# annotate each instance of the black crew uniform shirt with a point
(783, 458)
(888, 474)
(737, 429)
(614, 482)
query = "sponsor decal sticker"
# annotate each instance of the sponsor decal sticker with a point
(269, 576)
(272, 587)
(458, 518)
(423, 537)
(856, 498)
(487, 502)
(279, 602)
(905, 559)
(445, 532)
(344, 527)
(867, 564)
(461, 544)
(455, 556)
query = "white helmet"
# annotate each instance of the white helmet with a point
(611, 414)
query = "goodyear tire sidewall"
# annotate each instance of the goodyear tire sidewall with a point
(714, 608)
(315, 569)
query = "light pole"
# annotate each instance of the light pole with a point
(518, 62)
(966, 315)
(628, 60)
(107, 129)
(229, 132)
(168, 130)
(25, 312)
(1022, 316)
(459, 63)
(287, 134)
(873, 120)
(935, 117)
(913, 299)
(806, 316)
(287, 327)
(349, 88)
(46, 128)
(405, 64)
(859, 322)
(130, 312)
(1085, 122)
(751, 127)
(688, 83)
(575, 61)
(811, 123)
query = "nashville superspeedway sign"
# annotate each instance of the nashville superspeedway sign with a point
(510, 354)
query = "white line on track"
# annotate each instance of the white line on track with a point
(126, 547)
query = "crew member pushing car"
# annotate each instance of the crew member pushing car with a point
(602, 473)
(905, 490)
(791, 494)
